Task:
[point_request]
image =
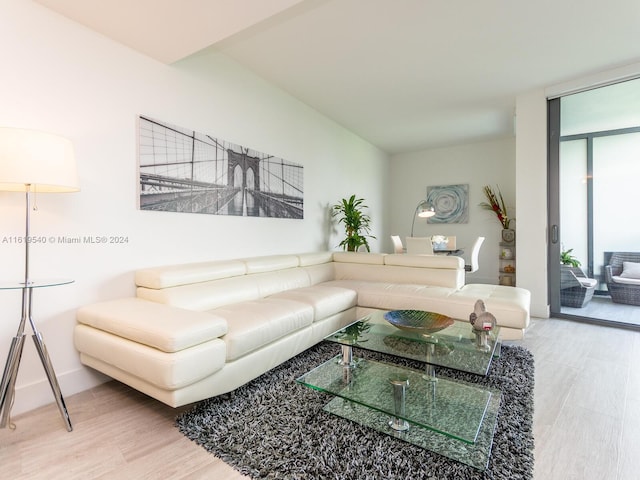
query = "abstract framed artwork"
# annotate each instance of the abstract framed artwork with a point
(181, 170)
(451, 203)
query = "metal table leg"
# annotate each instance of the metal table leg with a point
(7, 387)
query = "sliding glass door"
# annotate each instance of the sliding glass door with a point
(575, 199)
(594, 195)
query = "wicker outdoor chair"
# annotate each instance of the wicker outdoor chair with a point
(628, 292)
(575, 288)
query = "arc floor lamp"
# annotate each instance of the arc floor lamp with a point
(32, 162)
(423, 210)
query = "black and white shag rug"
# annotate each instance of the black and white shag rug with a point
(275, 428)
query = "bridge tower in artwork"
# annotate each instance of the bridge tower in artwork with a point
(246, 163)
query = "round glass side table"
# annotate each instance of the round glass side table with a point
(7, 387)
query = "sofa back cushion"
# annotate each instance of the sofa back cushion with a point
(184, 274)
(216, 293)
(188, 273)
(270, 263)
(314, 258)
(208, 285)
(434, 270)
(359, 258)
(617, 260)
(204, 295)
(319, 273)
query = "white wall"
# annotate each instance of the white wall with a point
(479, 164)
(518, 166)
(531, 198)
(60, 77)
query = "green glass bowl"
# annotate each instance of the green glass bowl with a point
(418, 321)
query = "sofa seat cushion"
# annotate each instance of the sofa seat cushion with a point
(588, 282)
(167, 328)
(254, 324)
(510, 305)
(625, 280)
(325, 300)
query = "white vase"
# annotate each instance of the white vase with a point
(508, 235)
(507, 253)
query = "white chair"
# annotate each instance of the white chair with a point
(397, 244)
(451, 242)
(474, 256)
(419, 246)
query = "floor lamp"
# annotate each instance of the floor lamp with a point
(32, 162)
(423, 210)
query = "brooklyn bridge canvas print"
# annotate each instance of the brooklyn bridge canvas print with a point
(182, 170)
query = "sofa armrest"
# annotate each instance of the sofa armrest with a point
(608, 274)
(167, 328)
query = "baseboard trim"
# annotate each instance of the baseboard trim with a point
(38, 394)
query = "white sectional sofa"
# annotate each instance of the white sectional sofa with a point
(195, 331)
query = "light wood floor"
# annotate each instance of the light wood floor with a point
(118, 433)
(586, 424)
(587, 400)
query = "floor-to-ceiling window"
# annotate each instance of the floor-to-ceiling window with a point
(595, 166)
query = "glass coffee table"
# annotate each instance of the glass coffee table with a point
(453, 418)
(455, 345)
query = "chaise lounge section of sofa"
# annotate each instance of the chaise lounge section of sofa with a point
(195, 331)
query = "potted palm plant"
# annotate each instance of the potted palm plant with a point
(355, 221)
(496, 204)
(567, 258)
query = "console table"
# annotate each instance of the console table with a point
(7, 387)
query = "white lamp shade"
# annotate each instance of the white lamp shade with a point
(426, 214)
(39, 161)
(424, 210)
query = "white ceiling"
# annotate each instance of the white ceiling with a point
(403, 74)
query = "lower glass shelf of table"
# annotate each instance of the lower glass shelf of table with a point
(452, 418)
